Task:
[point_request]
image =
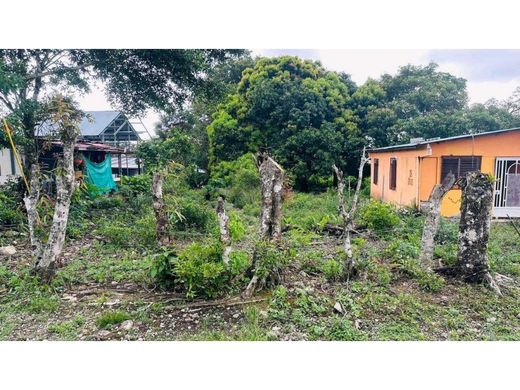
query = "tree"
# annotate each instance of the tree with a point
(134, 79)
(194, 117)
(66, 117)
(296, 110)
(171, 151)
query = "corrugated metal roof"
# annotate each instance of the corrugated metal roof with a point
(436, 140)
(92, 124)
(97, 121)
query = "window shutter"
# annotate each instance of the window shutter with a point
(449, 164)
(393, 173)
(376, 170)
(460, 166)
(468, 164)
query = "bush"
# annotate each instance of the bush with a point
(10, 209)
(332, 269)
(405, 261)
(161, 269)
(269, 259)
(194, 216)
(379, 217)
(237, 228)
(133, 185)
(237, 180)
(200, 269)
(239, 263)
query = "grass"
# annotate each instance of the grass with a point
(392, 298)
(112, 317)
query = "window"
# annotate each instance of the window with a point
(393, 173)
(459, 165)
(376, 171)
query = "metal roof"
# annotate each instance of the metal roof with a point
(93, 124)
(97, 121)
(415, 145)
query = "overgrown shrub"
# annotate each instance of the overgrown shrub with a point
(193, 215)
(133, 185)
(404, 259)
(332, 269)
(10, 207)
(237, 228)
(199, 270)
(379, 217)
(237, 180)
(270, 260)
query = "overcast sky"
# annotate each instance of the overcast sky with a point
(489, 73)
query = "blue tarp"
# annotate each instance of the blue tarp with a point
(99, 175)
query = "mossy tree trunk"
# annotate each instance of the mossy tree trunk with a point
(225, 236)
(67, 118)
(161, 216)
(475, 222)
(272, 177)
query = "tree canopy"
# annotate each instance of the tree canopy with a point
(293, 108)
(134, 79)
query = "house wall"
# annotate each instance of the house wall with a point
(7, 160)
(424, 167)
(406, 191)
(489, 147)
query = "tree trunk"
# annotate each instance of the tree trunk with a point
(272, 186)
(348, 217)
(432, 209)
(31, 200)
(272, 176)
(225, 237)
(46, 264)
(161, 217)
(475, 222)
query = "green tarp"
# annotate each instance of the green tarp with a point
(99, 175)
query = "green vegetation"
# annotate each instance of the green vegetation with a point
(110, 318)
(112, 269)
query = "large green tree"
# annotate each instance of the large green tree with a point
(296, 110)
(421, 101)
(134, 79)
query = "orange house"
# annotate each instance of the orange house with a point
(406, 174)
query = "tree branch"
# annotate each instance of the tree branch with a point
(54, 71)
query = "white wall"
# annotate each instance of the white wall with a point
(6, 171)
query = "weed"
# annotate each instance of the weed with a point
(379, 217)
(332, 269)
(110, 318)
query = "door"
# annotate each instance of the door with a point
(507, 187)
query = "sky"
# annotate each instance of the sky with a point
(493, 73)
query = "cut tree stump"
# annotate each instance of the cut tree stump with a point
(475, 222)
